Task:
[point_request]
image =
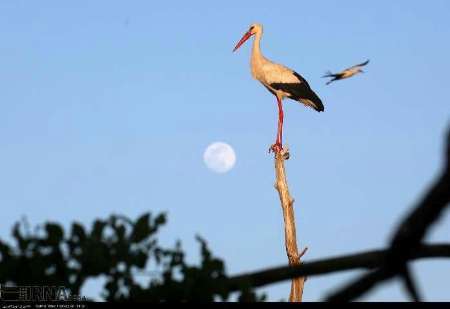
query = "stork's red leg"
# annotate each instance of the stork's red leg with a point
(278, 146)
(280, 121)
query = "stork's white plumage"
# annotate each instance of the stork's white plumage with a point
(279, 80)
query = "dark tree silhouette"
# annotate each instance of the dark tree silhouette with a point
(119, 249)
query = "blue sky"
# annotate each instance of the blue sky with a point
(107, 106)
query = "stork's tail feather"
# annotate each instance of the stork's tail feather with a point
(314, 101)
(316, 104)
(328, 74)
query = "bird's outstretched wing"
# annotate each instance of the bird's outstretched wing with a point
(358, 65)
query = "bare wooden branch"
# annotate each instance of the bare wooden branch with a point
(364, 260)
(287, 203)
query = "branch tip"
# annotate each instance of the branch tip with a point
(303, 252)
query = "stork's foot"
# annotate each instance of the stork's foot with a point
(276, 148)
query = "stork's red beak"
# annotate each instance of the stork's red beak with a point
(246, 36)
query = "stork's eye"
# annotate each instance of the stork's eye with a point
(251, 28)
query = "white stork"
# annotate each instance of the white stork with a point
(279, 80)
(349, 72)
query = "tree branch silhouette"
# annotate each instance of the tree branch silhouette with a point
(364, 260)
(406, 239)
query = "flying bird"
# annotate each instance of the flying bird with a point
(281, 81)
(349, 72)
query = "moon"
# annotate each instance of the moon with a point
(219, 157)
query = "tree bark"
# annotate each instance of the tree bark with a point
(287, 203)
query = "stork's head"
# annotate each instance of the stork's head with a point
(254, 29)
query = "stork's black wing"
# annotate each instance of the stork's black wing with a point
(300, 91)
(359, 65)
